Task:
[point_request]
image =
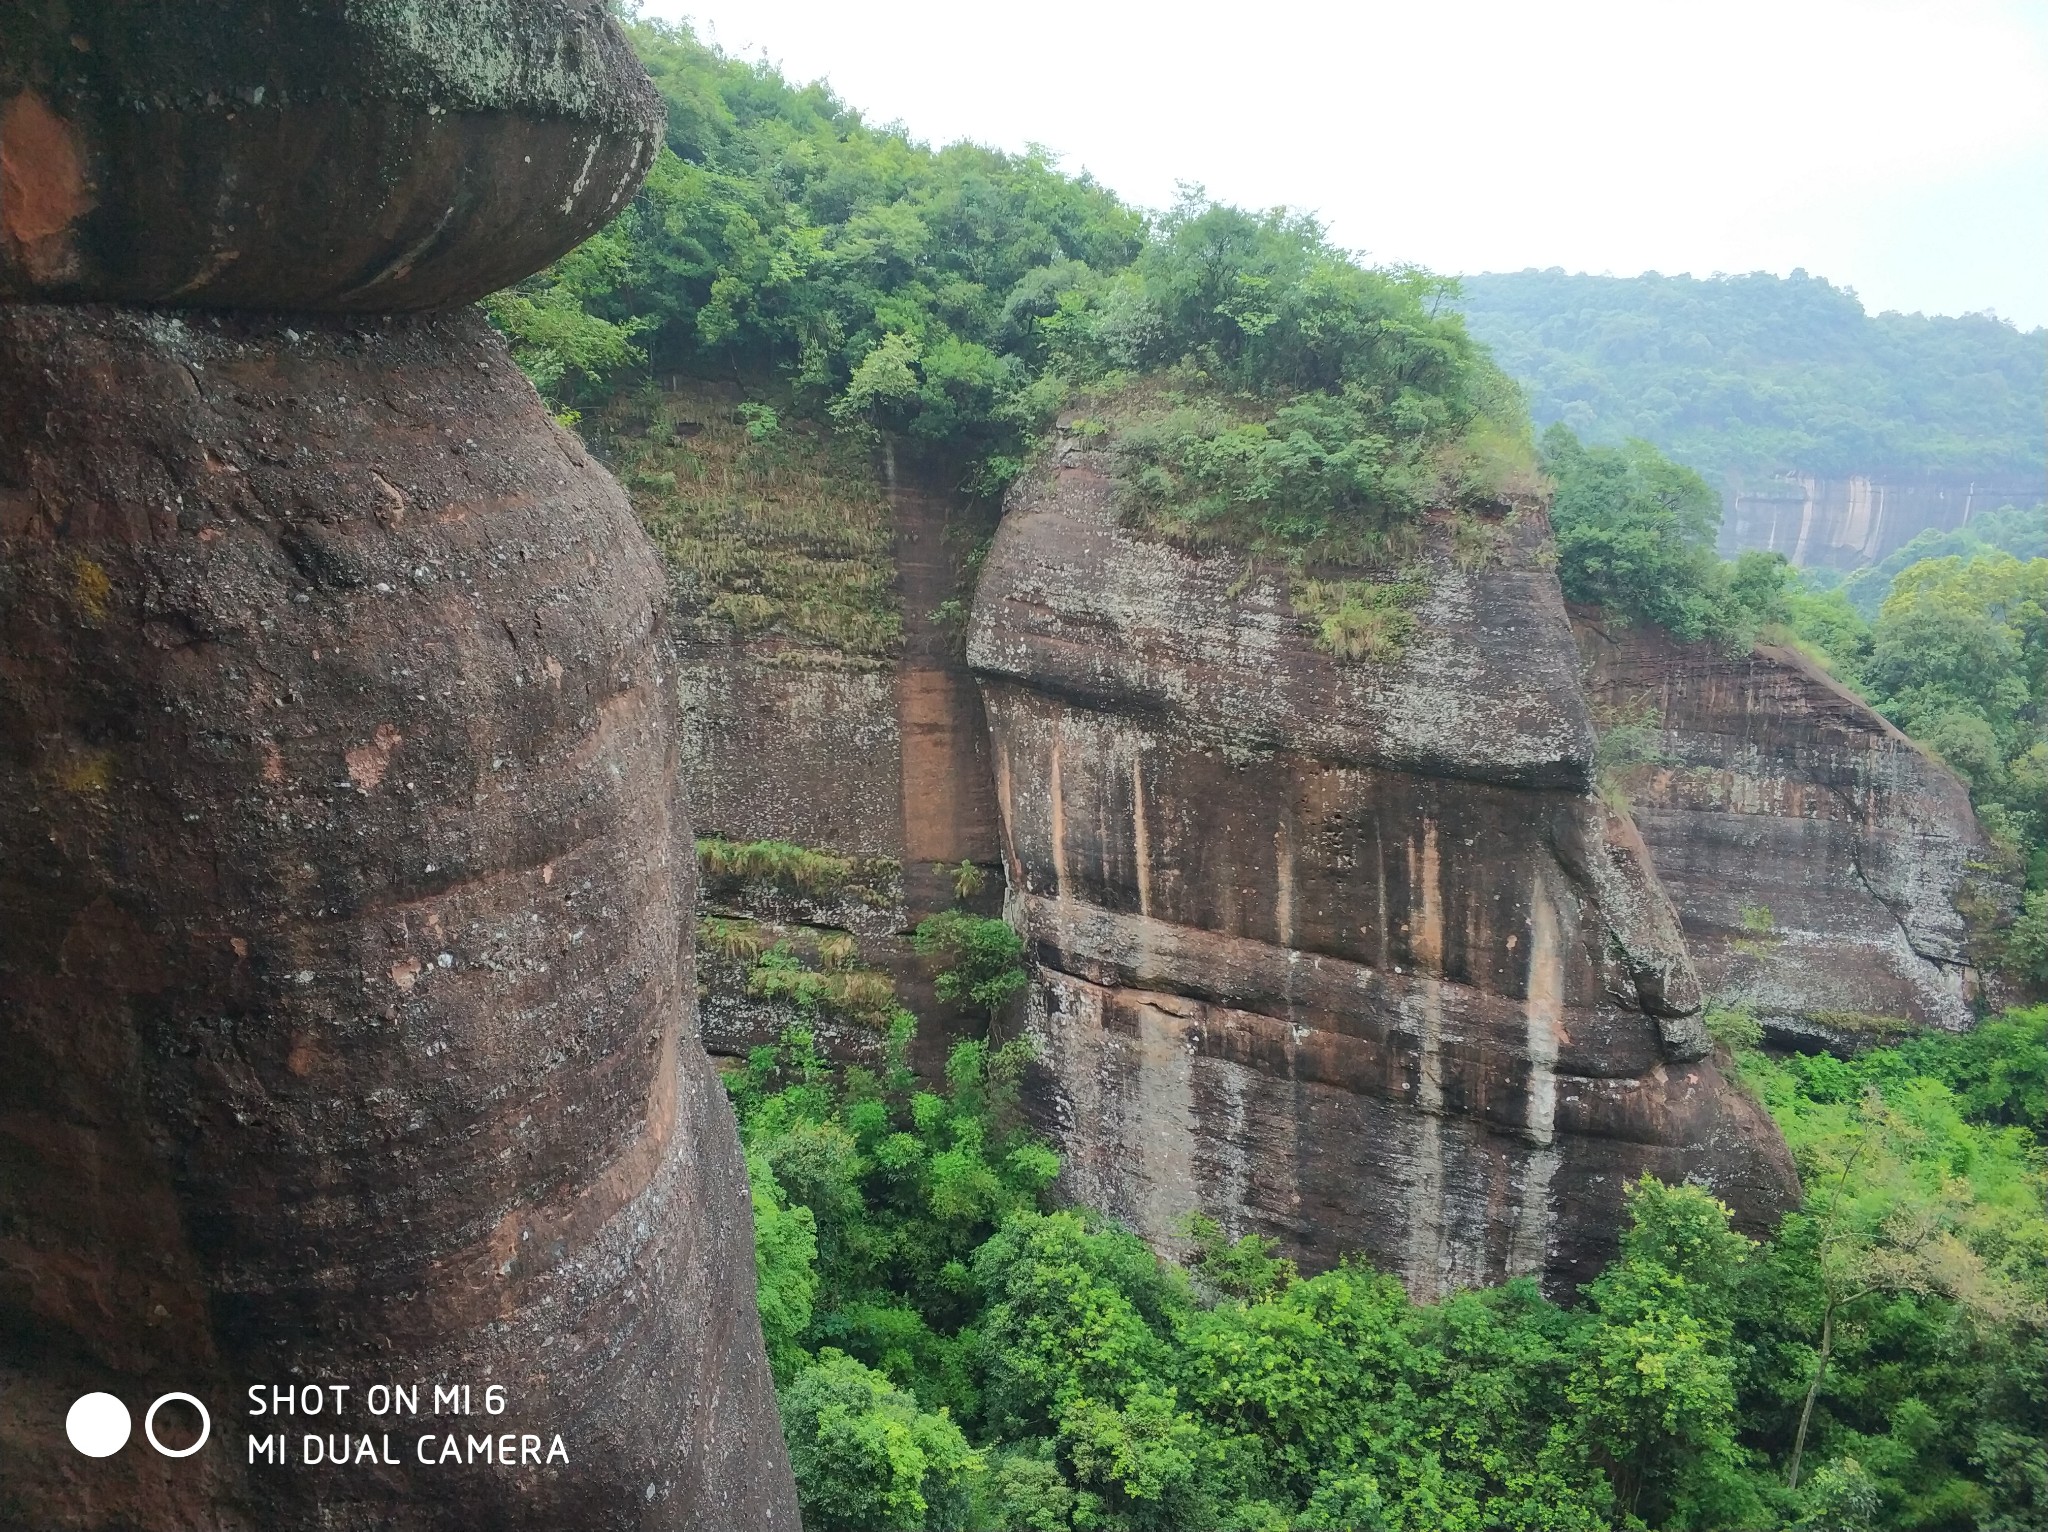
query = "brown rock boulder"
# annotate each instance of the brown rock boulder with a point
(1344, 953)
(1815, 854)
(306, 155)
(344, 959)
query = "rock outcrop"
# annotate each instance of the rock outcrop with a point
(379, 156)
(345, 969)
(1348, 954)
(1815, 855)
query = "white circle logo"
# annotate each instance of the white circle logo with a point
(98, 1425)
(149, 1426)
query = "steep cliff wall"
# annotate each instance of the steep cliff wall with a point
(345, 966)
(825, 701)
(1814, 853)
(1847, 523)
(1345, 953)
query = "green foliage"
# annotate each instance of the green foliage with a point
(859, 994)
(1635, 534)
(1959, 660)
(789, 866)
(1760, 373)
(1900, 1314)
(954, 297)
(2020, 532)
(1012, 1366)
(983, 959)
(877, 281)
(768, 525)
(1370, 620)
(1322, 404)
(867, 1459)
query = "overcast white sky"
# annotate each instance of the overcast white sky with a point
(1897, 146)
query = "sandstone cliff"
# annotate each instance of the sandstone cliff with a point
(1814, 853)
(1348, 954)
(345, 972)
(825, 701)
(1846, 523)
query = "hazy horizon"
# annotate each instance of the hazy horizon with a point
(1897, 148)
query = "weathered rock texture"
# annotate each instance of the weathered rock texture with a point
(373, 156)
(1814, 853)
(879, 758)
(1346, 954)
(1849, 522)
(344, 944)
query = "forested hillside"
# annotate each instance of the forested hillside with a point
(1761, 374)
(955, 1349)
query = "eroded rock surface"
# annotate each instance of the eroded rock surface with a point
(374, 156)
(1815, 854)
(344, 938)
(1347, 954)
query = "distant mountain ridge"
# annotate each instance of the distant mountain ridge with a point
(1837, 435)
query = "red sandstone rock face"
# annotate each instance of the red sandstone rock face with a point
(1780, 794)
(1346, 954)
(344, 959)
(378, 156)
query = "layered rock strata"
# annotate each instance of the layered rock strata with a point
(1815, 855)
(345, 969)
(376, 156)
(1347, 954)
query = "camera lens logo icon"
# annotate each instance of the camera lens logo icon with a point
(99, 1425)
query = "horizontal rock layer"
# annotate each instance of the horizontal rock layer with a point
(382, 155)
(1347, 954)
(1814, 853)
(344, 957)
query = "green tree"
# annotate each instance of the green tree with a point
(1635, 535)
(868, 1459)
(983, 959)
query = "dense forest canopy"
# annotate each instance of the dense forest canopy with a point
(1760, 374)
(955, 1351)
(958, 297)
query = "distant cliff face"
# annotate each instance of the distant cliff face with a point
(1348, 954)
(1845, 523)
(1815, 854)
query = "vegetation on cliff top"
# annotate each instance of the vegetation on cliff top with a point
(951, 1352)
(1760, 373)
(1957, 656)
(955, 297)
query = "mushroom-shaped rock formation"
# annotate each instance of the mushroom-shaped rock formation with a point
(373, 156)
(345, 880)
(1347, 953)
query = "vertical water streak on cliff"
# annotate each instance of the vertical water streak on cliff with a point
(1426, 1244)
(1141, 835)
(1283, 879)
(1057, 790)
(1544, 1008)
(1163, 1111)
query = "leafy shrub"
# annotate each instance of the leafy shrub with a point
(1368, 620)
(983, 959)
(867, 1458)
